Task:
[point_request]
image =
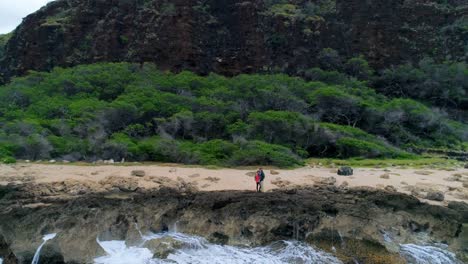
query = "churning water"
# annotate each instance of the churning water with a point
(416, 254)
(38, 251)
(198, 250)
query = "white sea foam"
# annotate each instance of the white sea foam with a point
(416, 254)
(197, 250)
(119, 253)
(38, 251)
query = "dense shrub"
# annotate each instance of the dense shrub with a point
(359, 68)
(9, 160)
(125, 111)
(329, 60)
(258, 152)
(352, 147)
(441, 84)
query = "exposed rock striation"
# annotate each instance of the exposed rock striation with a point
(233, 36)
(316, 215)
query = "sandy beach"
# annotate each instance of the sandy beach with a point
(417, 182)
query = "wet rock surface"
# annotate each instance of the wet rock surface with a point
(359, 216)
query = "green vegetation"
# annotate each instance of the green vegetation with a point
(284, 10)
(60, 17)
(440, 84)
(168, 9)
(306, 11)
(9, 160)
(415, 162)
(3, 41)
(122, 110)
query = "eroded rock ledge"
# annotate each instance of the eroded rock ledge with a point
(315, 214)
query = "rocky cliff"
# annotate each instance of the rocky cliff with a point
(370, 224)
(232, 36)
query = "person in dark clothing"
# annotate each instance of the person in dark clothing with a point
(262, 178)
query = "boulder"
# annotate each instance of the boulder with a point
(390, 188)
(120, 183)
(385, 176)
(345, 184)
(435, 196)
(273, 172)
(138, 173)
(466, 166)
(162, 247)
(345, 171)
(325, 181)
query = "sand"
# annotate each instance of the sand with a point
(404, 180)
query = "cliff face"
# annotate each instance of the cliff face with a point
(361, 218)
(233, 36)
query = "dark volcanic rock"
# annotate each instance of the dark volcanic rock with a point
(345, 171)
(435, 196)
(461, 207)
(6, 254)
(231, 217)
(233, 36)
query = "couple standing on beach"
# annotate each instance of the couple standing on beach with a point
(259, 177)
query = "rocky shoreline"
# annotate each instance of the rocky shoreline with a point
(370, 223)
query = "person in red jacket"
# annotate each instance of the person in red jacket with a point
(258, 177)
